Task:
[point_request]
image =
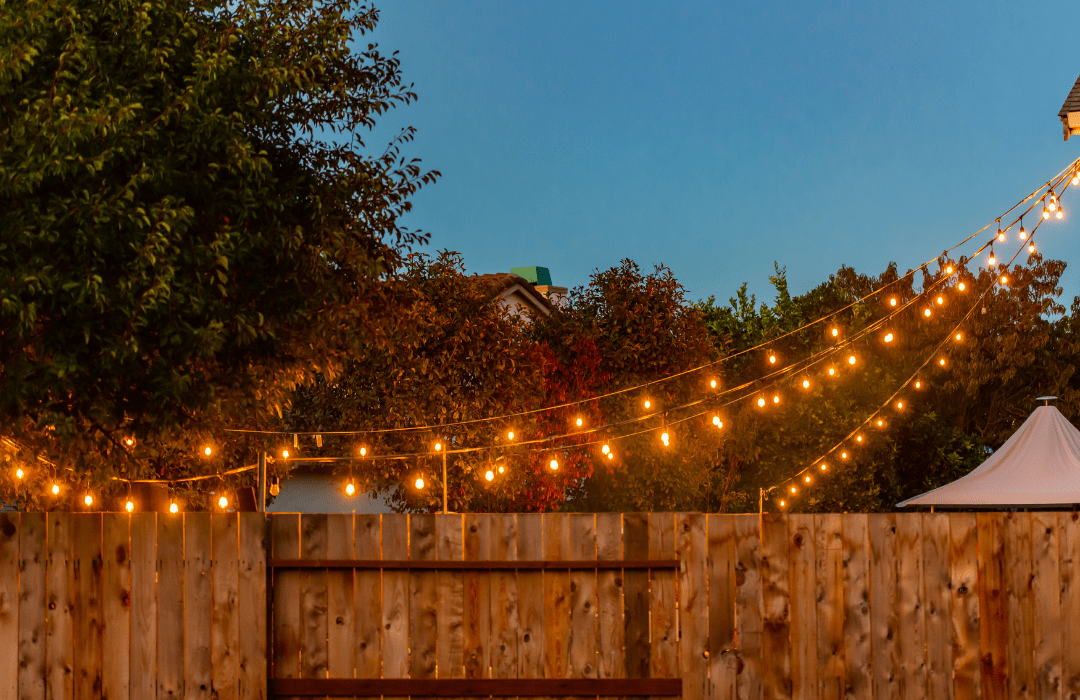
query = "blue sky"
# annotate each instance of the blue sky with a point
(717, 138)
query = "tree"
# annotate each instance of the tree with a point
(190, 224)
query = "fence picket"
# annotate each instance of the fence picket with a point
(86, 599)
(636, 596)
(9, 606)
(722, 563)
(749, 612)
(340, 613)
(368, 597)
(395, 598)
(583, 616)
(556, 598)
(198, 599)
(829, 550)
(222, 610)
(857, 623)
(504, 598)
(285, 544)
(802, 581)
(476, 612)
(313, 623)
(450, 597)
(993, 607)
(1046, 598)
(963, 577)
(911, 614)
(423, 611)
(664, 627)
(885, 637)
(775, 607)
(1020, 614)
(144, 602)
(170, 628)
(59, 650)
(251, 608)
(693, 596)
(116, 607)
(530, 635)
(937, 606)
(33, 555)
(611, 662)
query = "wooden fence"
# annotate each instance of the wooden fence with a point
(953, 606)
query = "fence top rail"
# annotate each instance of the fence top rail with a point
(445, 565)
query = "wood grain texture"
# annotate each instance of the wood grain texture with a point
(802, 579)
(224, 605)
(198, 611)
(1021, 614)
(115, 605)
(9, 606)
(583, 616)
(1046, 604)
(33, 555)
(530, 633)
(964, 604)
(937, 606)
(911, 615)
(858, 629)
(884, 618)
(722, 562)
(503, 649)
(423, 605)
(60, 660)
(368, 597)
(775, 607)
(829, 566)
(749, 611)
(993, 607)
(285, 542)
(556, 598)
(395, 597)
(313, 584)
(143, 667)
(87, 617)
(611, 630)
(170, 627)
(1069, 572)
(340, 610)
(476, 611)
(450, 597)
(252, 536)
(664, 628)
(636, 596)
(691, 539)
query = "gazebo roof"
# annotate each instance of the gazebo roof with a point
(1038, 465)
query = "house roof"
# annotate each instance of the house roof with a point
(503, 282)
(1072, 102)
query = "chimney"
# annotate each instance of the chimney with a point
(540, 278)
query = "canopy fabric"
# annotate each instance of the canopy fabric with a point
(1038, 465)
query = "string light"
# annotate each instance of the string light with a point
(349, 489)
(1023, 231)
(991, 261)
(941, 362)
(807, 478)
(1004, 280)
(782, 504)
(605, 449)
(880, 423)
(19, 473)
(55, 489)
(892, 302)
(664, 438)
(489, 475)
(961, 286)
(793, 489)
(717, 422)
(1053, 201)
(173, 508)
(129, 506)
(776, 399)
(285, 454)
(858, 438)
(772, 359)
(207, 451)
(761, 403)
(835, 332)
(579, 422)
(941, 301)
(647, 403)
(806, 384)
(918, 385)
(223, 502)
(851, 360)
(843, 455)
(900, 405)
(129, 441)
(824, 466)
(713, 384)
(1001, 234)
(1076, 178)
(949, 270)
(419, 482)
(438, 446)
(1031, 247)
(959, 336)
(1046, 212)
(888, 337)
(927, 313)
(510, 435)
(611, 455)
(89, 500)
(501, 469)
(832, 371)
(554, 464)
(363, 451)
(1060, 213)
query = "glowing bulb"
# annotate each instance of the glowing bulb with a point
(858, 438)
(19, 473)
(419, 482)
(760, 403)
(129, 506)
(843, 455)
(1004, 280)
(1076, 178)
(832, 371)
(664, 438)
(173, 508)
(1060, 213)
(605, 449)
(892, 302)
(207, 451)
(835, 332)
(1046, 213)
(888, 337)
(918, 385)
(824, 467)
(285, 454)
(89, 500)
(55, 489)
(502, 469)
(900, 405)
(363, 451)
(223, 502)
(851, 360)
(782, 504)
(793, 489)
(579, 422)
(1001, 235)
(808, 479)
(879, 423)
(438, 446)
(806, 384)
(716, 421)
(129, 442)
(776, 399)
(949, 270)
(647, 403)
(1053, 203)
(611, 455)
(349, 489)
(941, 362)
(926, 313)
(991, 261)
(940, 301)
(1023, 234)
(555, 465)
(510, 435)
(489, 475)
(1031, 247)
(961, 286)
(713, 384)
(959, 336)
(772, 359)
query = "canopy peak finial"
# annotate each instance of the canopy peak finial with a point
(1046, 399)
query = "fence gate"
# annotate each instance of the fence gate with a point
(484, 605)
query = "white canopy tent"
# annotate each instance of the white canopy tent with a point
(1039, 465)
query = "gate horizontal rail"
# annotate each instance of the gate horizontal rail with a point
(457, 565)
(476, 687)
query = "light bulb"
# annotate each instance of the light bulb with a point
(716, 421)
(55, 489)
(808, 479)
(941, 362)
(776, 399)
(806, 384)
(129, 506)
(664, 438)
(489, 475)
(949, 270)
(772, 359)
(510, 435)
(843, 455)
(611, 455)
(832, 371)
(926, 313)
(880, 423)
(285, 454)
(223, 502)
(553, 464)
(959, 336)
(858, 438)
(1076, 178)
(579, 422)
(1023, 234)
(940, 300)
(363, 451)
(647, 403)
(129, 441)
(835, 332)
(760, 403)
(502, 469)
(1004, 280)
(782, 504)
(888, 337)
(207, 451)
(349, 489)
(961, 286)
(1031, 247)
(793, 489)
(991, 261)
(89, 500)
(438, 446)
(1001, 235)
(900, 405)
(1046, 213)
(605, 449)
(19, 473)
(851, 360)
(918, 385)
(892, 302)
(1060, 213)
(173, 508)
(419, 482)
(824, 467)
(1053, 203)
(713, 384)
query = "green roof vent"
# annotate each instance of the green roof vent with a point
(536, 275)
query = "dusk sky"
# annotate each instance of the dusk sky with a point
(717, 138)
